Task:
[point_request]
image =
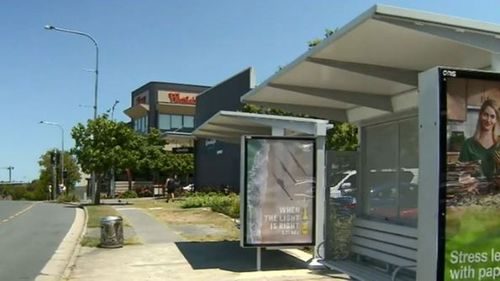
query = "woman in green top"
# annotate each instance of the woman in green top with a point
(483, 144)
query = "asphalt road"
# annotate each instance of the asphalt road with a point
(30, 232)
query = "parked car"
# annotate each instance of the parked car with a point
(188, 188)
(384, 199)
(345, 184)
(343, 192)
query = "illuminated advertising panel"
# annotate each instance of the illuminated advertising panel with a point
(469, 222)
(279, 192)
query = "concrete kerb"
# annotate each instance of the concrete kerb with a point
(62, 261)
(78, 246)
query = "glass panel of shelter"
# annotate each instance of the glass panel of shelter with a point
(383, 188)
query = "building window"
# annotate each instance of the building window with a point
(390, 174)
(164, 122)
(188, 121)
(176, 121)
(141, 124)
(171, 122)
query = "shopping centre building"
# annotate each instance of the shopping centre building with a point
(169, 107)
(177, 109)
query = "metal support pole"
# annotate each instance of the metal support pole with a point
(259, 258)
(112, 184)
(54, 181)
(319, 251)
(62, 146)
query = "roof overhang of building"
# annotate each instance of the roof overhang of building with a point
(137, 110)
(230, 126)
(370, 67)
(177, 136)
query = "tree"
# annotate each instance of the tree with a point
(70, 166)
(180, 164)
(103, 144)
(342, 137)
(153, 157)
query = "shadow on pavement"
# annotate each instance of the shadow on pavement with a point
(228, 255)
(73, 206)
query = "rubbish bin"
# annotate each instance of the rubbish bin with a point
(111, 232)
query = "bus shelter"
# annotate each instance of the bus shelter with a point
(367, 73)
(294, 147)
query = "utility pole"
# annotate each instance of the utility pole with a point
(112, 171)
(10, 168)
(53, 162)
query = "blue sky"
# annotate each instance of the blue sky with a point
(45, 75)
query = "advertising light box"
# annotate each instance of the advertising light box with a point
(279, 192)
(469, 222)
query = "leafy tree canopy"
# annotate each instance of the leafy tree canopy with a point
(180, 164)
(103, 144)
(153, 157)
(70, 166)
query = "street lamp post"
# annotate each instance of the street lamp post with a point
(62, 146)
(76, 32)
(113, 108)
(50, 27)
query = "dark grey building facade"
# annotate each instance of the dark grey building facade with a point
(217, 163)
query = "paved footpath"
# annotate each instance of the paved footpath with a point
(147, 228)
(166, 256)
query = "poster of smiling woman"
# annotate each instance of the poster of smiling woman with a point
(470, 175)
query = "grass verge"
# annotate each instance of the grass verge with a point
(95, 213)
(180, 219)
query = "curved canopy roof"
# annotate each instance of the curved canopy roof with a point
(370, 67)
(229, 126)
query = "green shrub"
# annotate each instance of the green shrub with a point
(218, 202)
(128, 194)
(31, 191)
(16, 192)
(67, 197)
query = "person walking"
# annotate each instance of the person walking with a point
(171, 184)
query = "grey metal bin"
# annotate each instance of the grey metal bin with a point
(111, 232)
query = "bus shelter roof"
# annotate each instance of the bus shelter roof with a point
(230, 126)
(370, 67)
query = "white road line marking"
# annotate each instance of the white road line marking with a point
(18, 213)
